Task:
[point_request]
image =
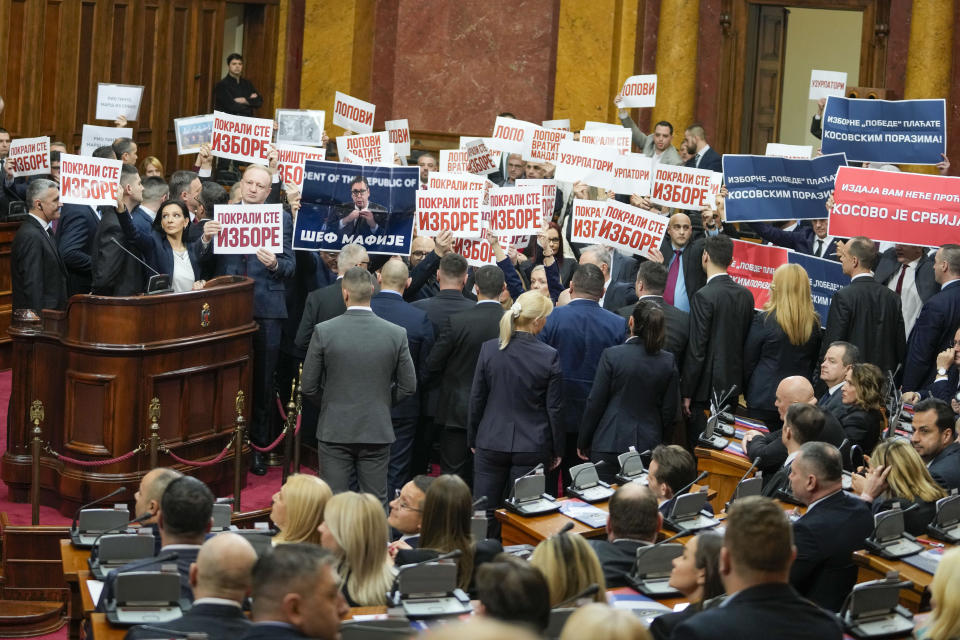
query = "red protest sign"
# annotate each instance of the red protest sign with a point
(90, 181)
(477, 252)
(446, 210)
(353, 114)
(516, 210)
(543, 145)
(753, 266)
(290, 159)
(631, 229)
(240, 138)
(246, 228)
(30, 156)
(478, 158)
(587, 215)
(907, 208)
(508, 134)
(682, 187)
(453, 161)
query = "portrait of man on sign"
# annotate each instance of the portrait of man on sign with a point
(360, 216)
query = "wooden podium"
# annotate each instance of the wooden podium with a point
(96, 368)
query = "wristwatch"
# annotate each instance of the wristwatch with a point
(941, 371)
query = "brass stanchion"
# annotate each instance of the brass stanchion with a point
(154, 412)
(288, 430)
(238, 452)
(299, 410)
(36, 416)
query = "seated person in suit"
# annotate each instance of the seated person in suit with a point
(296, 595)
(406, 510)
(221, 580)
(944, 621)
(570, 565)
(834, 526)
(897, 475)
(447, 513)
(355, 530)
(754, 567)
(634, 522)
(297, 509)
(671, 468)
(934, 438)
(360, 216)
(148, 496)
(695, 574)
(862, 396)
(184, 520)
(602, 622)
(837, 361)
(804, 423)
(510, 590)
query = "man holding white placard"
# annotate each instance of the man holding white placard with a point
(657, 145)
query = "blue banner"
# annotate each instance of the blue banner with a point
(826, 278)
(356, 204)
(892, 131)
(768, 188)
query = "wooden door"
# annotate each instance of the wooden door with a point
(763, 86)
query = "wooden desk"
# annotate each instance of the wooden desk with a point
(74, 561)
(103, 630)
(725, 470)
(873, 567)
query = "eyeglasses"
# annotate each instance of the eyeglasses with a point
(419, 254)
(358, 192)
(403, 505)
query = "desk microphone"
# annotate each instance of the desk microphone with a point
(744, 476)
(589, 591)
(479, 502)
(132, 254)
(671, 538)
(138, 520)
(703, 474)
(539, 467)
(115, 492)
(450, 555)
(224, 501)
(599, 463)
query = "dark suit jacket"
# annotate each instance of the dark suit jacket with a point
(515, 401)
(800, 239)
(617, 559)
(452, 362)
(693, 274)
(75, 233)
(711, 161)
(932, 332)
(888, 268)
(676, 324)
(945, 468)
(862, 427)
(619, 294)
(634, 400)
(826, 537)
(720, 316)
(423, 278)
(186, 555)
(229, 88)
(769, 357)
(218, 621)
(868, 315)
(321, 305)
(358, 226)
(39, 277)
(580, 331)
(772, 454)
(833, 404)
(156, 248)
(759, 613)
(438, 309)
(268, 631)
(115, 272)
(777, 482)
(624, 268)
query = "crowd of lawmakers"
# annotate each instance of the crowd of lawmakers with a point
(558, 354)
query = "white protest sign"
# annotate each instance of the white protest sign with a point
(495, 154)
(114, 100)
(548, 194)
(478, 253)
(631, 229)
(631, 174)
(516, 210)
(618, 138)
(588, 163)
(458, 212)
(95, 137)
(479, 161)
(353, 114)
(30, 156)
(542, 145)
(639, 91)
(241, 138)
(399, 131)
(593, 124)
(683, 187)
(508, 134)
(824, 84)
(90, 181)
(290, 159)
(366, 148)
(247, 228)
(453, 161)
(586, 220)
(562, 124)
(716, 181)
(792, 151)
(460, 182)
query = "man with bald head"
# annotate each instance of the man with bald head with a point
(152, 486)
(634, 522)
(682, 257)
(390, 305)
(221, 579)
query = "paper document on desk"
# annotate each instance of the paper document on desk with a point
(95, 587)
(583, 512)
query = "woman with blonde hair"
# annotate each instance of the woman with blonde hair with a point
(602, 622)
(570, 565)
(355, 530)
(784, 340)
(944, 621)
(150, 167)
(297, 509)
(862, 395)
(898, 475)
(513, 421)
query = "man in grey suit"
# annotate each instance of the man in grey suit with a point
(657, 145)
(357, 367)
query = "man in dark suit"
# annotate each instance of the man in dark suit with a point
(865, 312)
(754, 567)
(672, 469)
(616, 293)
(327, 302)
(359, 217)
(406, 509)
(720, 316)
(186, 186)
(38, 275)
(155, 193)
(580, 331)
(221, 579)
(634, 522)
(833, 527)
(75, 234)
(148, 497)
(451, 365)
(907, 270)
(791, 234)
(355, 389)
(390, 305)
(703, 156)
(115, 271)
(651, 280)
(296, 595)
(938, 320)
(803, 423)
(837, 360)
(934, 438)
(682, 257)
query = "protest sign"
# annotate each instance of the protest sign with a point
(639, 91)
(356, 204)
(824, 84)
(769, 188)
(495, 155)
(247, 228)
(792, 151)
(95, 137)
(548, 194)
(453, 161)
(301, 127)
(290, 161)
(753, 266)
(516, 210)
(586, 220)
(631, 228)
(241, 138)
(886, 206)
(446, 210)
(353, 114)
(618, 138)
(590, 164)
(508, 134)
(826, 278)
(716, 182)
(366, 148)
(593, 124)
(563, 124)
(193, 132)
(30, 156)
(477, 252)
(479, 161)
(542, 145)
(91, 181)
(456, 181)
(399, 131)
(631, 174)
(115, 100)
(683, 187)
(894, 131)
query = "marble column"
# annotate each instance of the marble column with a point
(677, 64)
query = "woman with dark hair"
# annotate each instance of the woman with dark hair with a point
(862, 396)
(635, 395)
(538, 252)
(695, 574)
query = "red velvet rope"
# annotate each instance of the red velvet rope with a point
(273, 445)
(198, 463)
(95, 463)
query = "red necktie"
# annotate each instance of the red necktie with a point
(672, 276)
(903, 272)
